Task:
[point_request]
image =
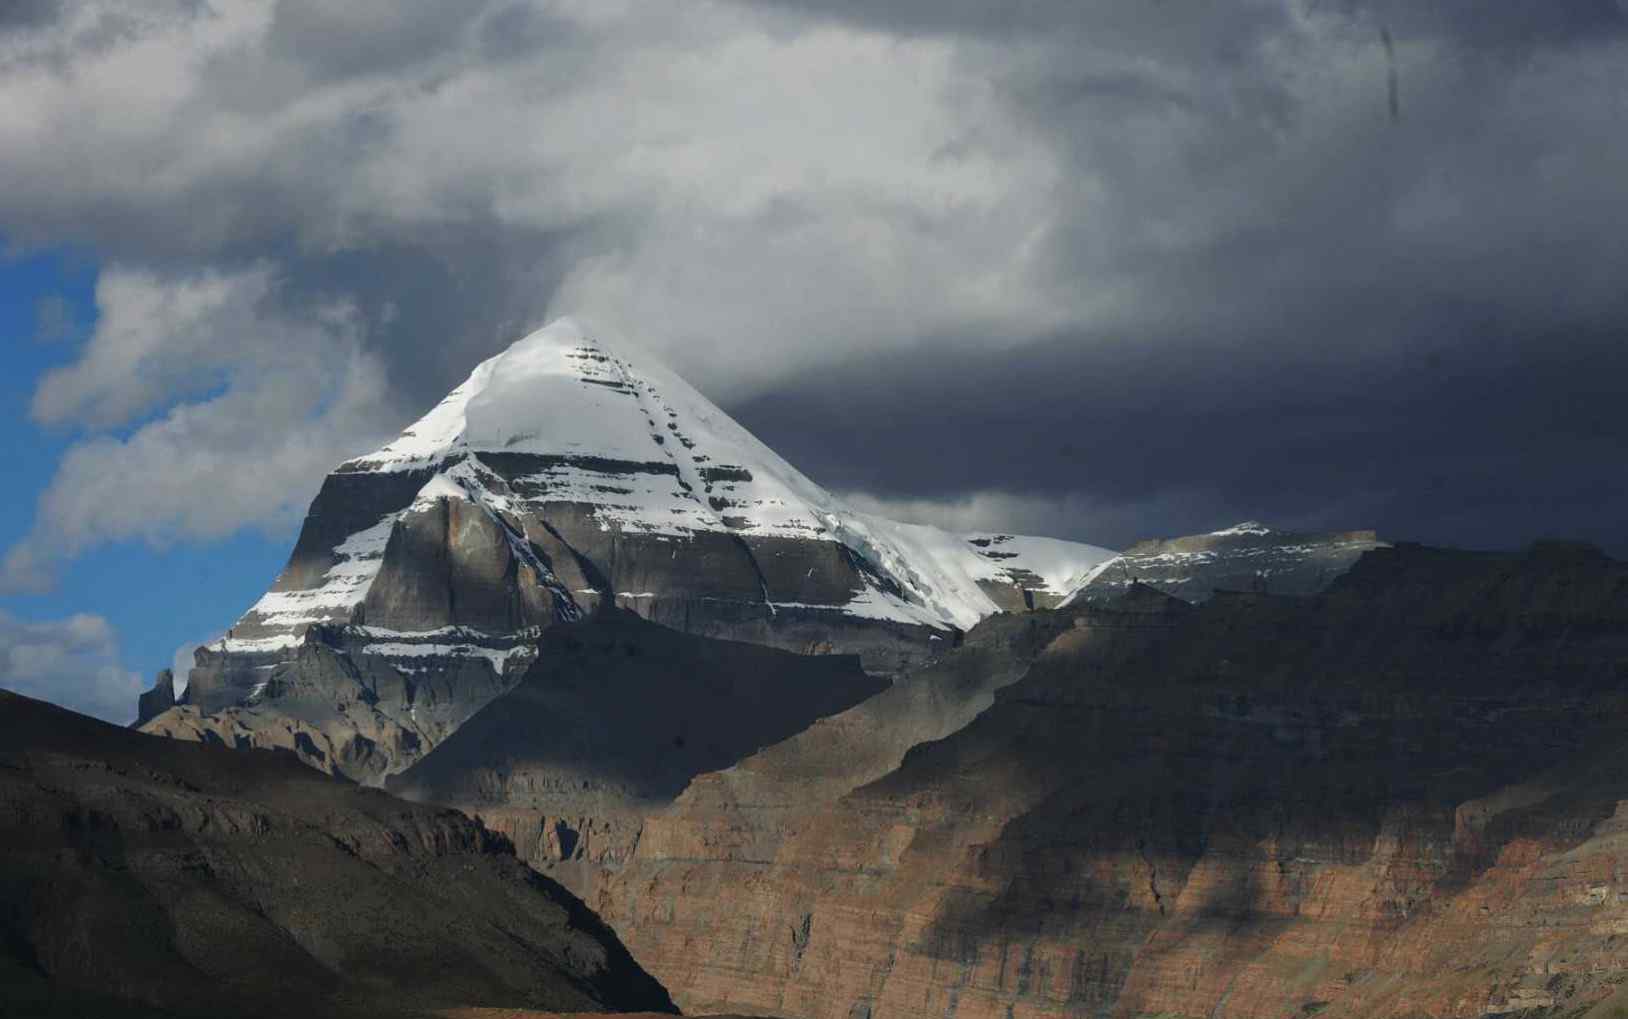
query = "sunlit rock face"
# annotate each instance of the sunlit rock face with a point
(1244, 557)
(1399, 797)
(564, 476)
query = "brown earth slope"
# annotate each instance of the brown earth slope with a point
(1400, 798)
(147, 876)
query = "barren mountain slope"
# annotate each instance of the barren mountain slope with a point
(140, 873)
(1399, 798)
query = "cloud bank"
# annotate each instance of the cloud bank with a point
(1136, 269)
(73, 662)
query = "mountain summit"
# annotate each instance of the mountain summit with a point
(564, 475)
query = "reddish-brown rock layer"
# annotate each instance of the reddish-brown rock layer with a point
(1400, 798)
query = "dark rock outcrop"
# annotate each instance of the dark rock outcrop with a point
(146, 876)
(158, 700)
(450, 563)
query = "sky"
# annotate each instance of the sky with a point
(1083, 268)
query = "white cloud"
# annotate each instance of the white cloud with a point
(281, 398)
(182, 661)
(802, 193)
(156, 341)
(73, 662)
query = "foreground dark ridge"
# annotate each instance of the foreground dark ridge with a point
(148, 876)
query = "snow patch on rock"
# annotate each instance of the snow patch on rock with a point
(356, 564)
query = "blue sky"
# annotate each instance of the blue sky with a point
(156, 599)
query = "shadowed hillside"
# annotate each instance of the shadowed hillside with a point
(1397, 798)
(146, 876)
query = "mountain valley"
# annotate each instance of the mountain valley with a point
(612, 657)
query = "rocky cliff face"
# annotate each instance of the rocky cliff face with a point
(144, 876)
(613, 720)
(561, 478)
(1400, 797)
(1245, 557)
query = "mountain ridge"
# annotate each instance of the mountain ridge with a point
(566, 475)
(1248, 556)
(1401, 796)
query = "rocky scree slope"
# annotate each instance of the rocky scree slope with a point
(147, 876)
(1397, 798)
(565, 475)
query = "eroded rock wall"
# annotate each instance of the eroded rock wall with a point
(1401, 798)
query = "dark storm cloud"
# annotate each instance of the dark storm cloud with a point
(442, 298)
(1480, 440)
(1159, 24)
(1222, 29)
(1405, 325)
(1517, 26)
(519, 29)
(28, 13)
(1152, 267)
(366, 36)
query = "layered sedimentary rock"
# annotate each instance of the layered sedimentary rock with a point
(1244, 557)
(1400, 797)
(351, 700)
(145, 876)
(560, 478)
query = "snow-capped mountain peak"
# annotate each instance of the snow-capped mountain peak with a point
(568, 473)
(585, 406)
(609, 427)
